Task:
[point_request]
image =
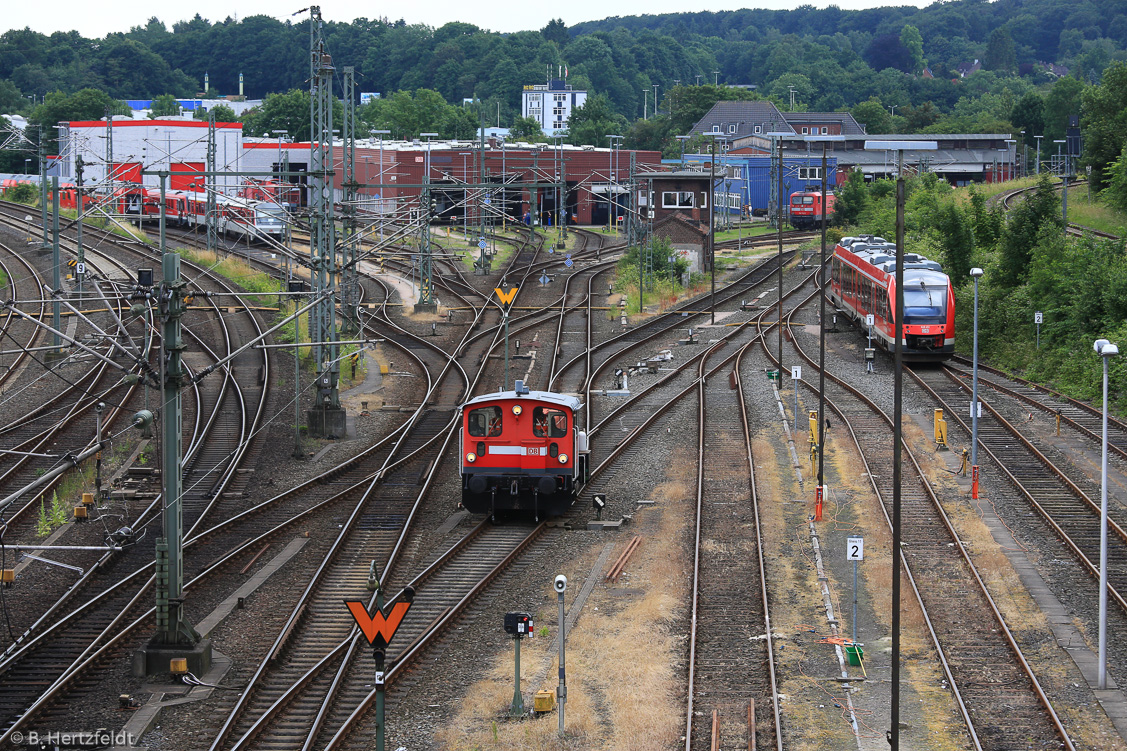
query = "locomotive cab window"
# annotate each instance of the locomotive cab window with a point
(485, 422)
(549, 423)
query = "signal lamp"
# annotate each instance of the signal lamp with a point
(563, 458)
(471, 458)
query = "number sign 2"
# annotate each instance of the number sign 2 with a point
(855, 549)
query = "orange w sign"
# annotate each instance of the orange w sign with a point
(506, 298)
(379, 624)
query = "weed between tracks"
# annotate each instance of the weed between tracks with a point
(625, 658)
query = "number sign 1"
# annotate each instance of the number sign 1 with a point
(855, 549)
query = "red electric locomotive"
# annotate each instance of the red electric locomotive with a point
(806, 209)
(522, 451)
(863, 282)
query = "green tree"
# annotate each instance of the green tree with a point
(913, 41)
(922, 117)
(593, 122)
(986, 223)
(223, 114)
(851, 199)
(1104, 121)
(527, 129)
(1029, 115)
(1115, 178)
(11, 99)
(165, 105)
(288, 112)
(784, 84)
(1062, 101)
(956, 237)
(1038, 213)
(872, 114)
(649, 135)
(556, 32)
(407, 114)
(1070, 43)
(87, 104)
(1000, 54)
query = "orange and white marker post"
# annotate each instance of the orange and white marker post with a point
(379, 628)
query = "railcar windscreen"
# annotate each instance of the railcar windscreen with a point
(925, 305)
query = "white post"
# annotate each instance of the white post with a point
(561, 691)
(1105, 349)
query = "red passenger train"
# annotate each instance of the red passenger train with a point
(522, 451)
(863, 281)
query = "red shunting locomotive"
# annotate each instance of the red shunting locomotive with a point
(522, 451)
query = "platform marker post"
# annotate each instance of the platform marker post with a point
(855, 551)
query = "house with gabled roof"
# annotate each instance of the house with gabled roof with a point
(824, 124)
(739, 119)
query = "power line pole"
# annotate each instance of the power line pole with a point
(80, 269)
(326, 418)
(211, 202)
(109, 150)
(175, 637)
(350, 245)
(426, 303)
(45, 244)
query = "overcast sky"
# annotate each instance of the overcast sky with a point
(96, 19)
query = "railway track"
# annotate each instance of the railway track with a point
(999, 698)
(732, 674)
(1060, 502)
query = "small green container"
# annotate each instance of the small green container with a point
(855, 654)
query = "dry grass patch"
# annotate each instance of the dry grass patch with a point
(625, 659)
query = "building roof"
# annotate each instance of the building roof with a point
(745, 116)
(564, 400)
(944, 161)
(849, 126)
(661, 227)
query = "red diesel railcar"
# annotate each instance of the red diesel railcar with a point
(863, 283)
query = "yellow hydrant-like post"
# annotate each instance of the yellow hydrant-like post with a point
(940, 430)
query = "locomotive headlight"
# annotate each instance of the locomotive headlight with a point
(563, 458)
(517, 410)
(471, 458)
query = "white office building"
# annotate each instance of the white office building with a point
(551, 104)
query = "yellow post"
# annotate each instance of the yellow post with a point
(963, 468)
(1058, 423)
(813, 440)
(940, 430)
